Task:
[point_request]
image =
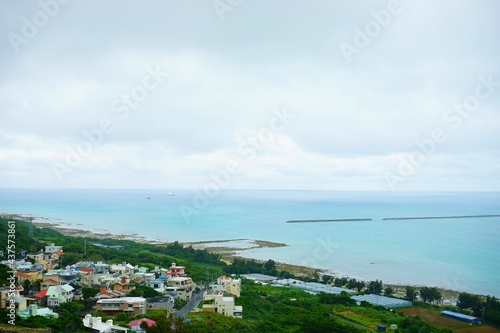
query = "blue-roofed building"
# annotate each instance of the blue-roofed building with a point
(461, 316)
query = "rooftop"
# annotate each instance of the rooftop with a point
(386, 302)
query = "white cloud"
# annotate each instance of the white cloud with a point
(226, 78)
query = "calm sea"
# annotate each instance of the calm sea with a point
(461, 254)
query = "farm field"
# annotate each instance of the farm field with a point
(434, 318)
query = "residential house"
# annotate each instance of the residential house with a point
(113, 306)
(181, 287)
(225, 306)
(176, 271)
(59, 294)
(86, 276)
(21, 303)
(40, 297)
(26, 266)
(228, 285)
(32, 276)
(50, 280)
(77, 291)
(52, 248)
(122, 269)
(105, 294)
(143, 269)
(95, 324)
(158, 284)
(166, 301)
(123, 286)
(135, 325)
(6, 293)
(37, 256)
(148, 277)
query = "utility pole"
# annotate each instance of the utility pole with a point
(85, 247)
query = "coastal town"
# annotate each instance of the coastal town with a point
(57, 285)
(124, 296)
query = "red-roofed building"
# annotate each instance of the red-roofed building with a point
(40, 297)
(176, 271)
(123, 286)
(136, 324)
(86, 270)
(105, 294)
(46, 283)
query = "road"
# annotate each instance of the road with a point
(193, 302)
(352, 323)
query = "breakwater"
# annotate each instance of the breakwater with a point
(330, 220)
(438, 217)
(395, 218)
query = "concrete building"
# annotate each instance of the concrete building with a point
(176, 271)
(228, 285)
(181, 287)
(59, 294)
(95, 324)
(225, 306)
(52, 248)
(113, 306)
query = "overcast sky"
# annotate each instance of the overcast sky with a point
(333, 95)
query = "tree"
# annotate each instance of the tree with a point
(360, 285)
(163, 324)
(411, 293)
(469, 301)
(375, 287)
(326, 278)
(270, 266)
(388, 291)
(430, 295)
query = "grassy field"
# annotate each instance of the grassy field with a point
(434, 318)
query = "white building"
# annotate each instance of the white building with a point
(52, 248)
(95, 324)
(59, 294)
(228, 285)
(224, 306)
(181, 287)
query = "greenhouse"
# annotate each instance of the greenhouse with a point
(386, 302)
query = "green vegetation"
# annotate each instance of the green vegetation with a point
(430, 295)
(374, 287)
(474, 305)
(265, 308)
(371, 316)
(411, 293)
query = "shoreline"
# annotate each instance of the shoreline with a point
(217, 246)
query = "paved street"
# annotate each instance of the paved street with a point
(193, 302)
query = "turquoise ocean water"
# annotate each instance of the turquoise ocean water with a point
(461, 254)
